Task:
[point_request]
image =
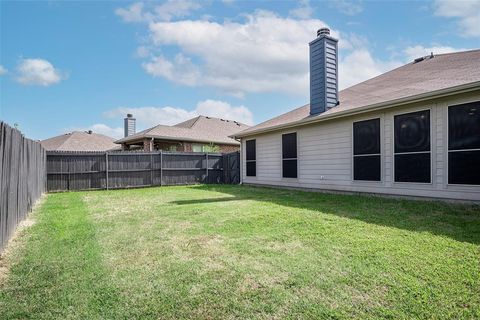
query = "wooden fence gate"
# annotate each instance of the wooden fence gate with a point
(232, 163)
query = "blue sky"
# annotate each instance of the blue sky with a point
(82, 65)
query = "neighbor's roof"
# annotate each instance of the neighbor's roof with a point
(198, 129)
(79, 141)
(411, 81)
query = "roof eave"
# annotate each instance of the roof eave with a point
(373, 107)
(138, 139)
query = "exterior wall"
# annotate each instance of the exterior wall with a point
(325, 155)
(147, 145)
(182, 146)
(224, 148)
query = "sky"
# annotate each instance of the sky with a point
(70, 65)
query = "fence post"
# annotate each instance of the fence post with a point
(106, 170)
(151, 169)
(161, 167)
(68, 176)
(206, 165)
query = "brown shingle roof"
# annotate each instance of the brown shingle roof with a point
(201, 129)
(428, 76)
(79, 141)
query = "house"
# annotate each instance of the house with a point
(80, 141)
(199, 134)
(412, 131)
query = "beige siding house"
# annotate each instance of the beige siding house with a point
(425, 116)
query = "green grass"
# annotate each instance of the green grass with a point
(243, 252)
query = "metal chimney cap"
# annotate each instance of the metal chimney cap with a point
(129, 115)
(323, 31)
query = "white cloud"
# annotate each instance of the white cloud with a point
(180, 70)
(151, 116)
(264, 53)
(134, 13)
(143, 52)
(100, 128)
(38, 72)
(467, 12)
(176, 8)
(349, 8)
(3, 70)
(361, 65)
(224, 110)
(417, 51)
(304, 10)
(137, 12)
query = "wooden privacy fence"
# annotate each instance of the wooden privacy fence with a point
(22, 178)
(113, 170)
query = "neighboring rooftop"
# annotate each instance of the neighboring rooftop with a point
(201, 129)
(79, 141)
(428, 75)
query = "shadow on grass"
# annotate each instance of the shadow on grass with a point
(457, 221)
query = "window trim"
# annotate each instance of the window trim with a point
(247, 161)
(432, 137)
(381, 128)
(281, 153)
(447, 147)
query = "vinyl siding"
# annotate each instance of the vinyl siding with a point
(325, 155)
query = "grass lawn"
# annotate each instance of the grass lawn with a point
(243, 252)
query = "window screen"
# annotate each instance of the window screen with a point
(251, 150)
(366, 150)
(366, 137)
(412, 167)
(464, 144)
(289, 145)
(412, 132)
(251, 155)
(251, 168)
(289, 155)
(412, 147)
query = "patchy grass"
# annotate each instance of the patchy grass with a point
(244, 252)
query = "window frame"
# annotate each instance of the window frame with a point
(250, 161)
(447, 147)
(432, 138)
(296, 149)
(197, 145)
(381, 128)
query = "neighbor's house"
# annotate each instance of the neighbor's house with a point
(80, 141)
(411, 131)
(200, 134)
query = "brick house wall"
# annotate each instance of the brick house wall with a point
(224, 148)
(149, 145)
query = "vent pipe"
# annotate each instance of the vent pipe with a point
(129, 125)
(323, 72)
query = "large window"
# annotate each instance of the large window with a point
(412, 147)
(464, 144)
(366, 150)
(251, 155)
(289, 155)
